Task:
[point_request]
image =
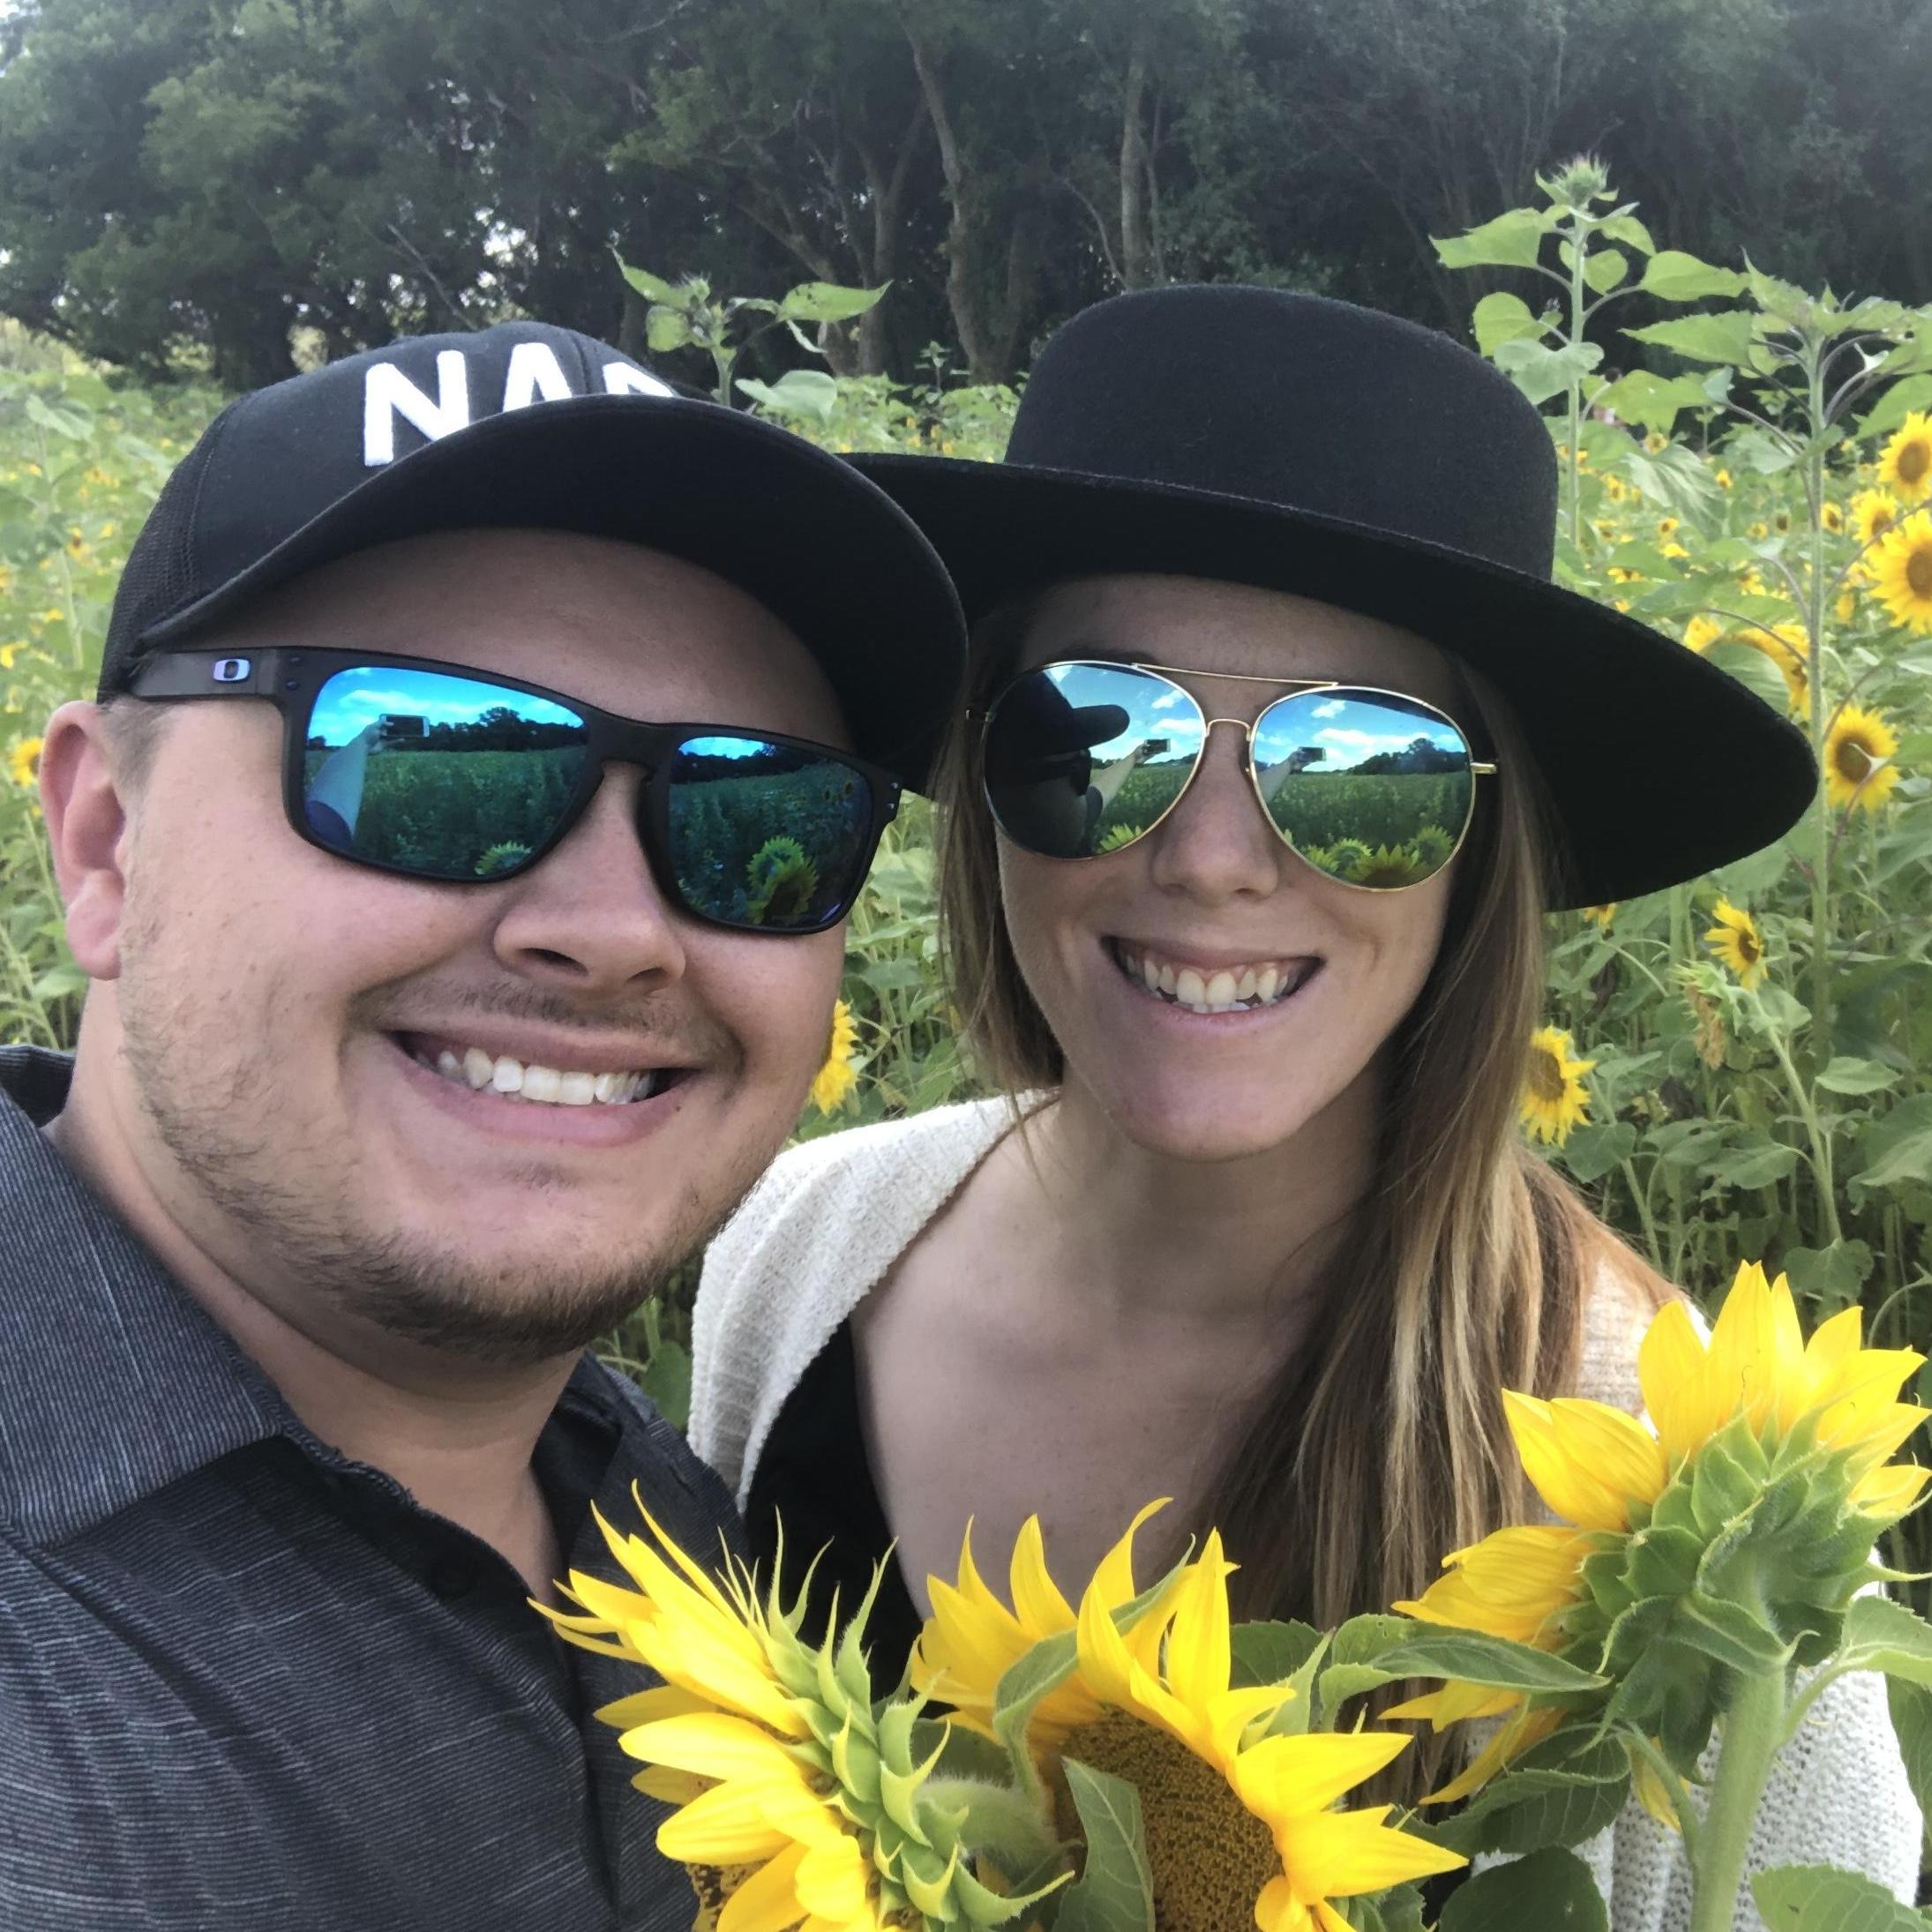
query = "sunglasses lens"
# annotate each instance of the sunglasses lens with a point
(1082, 758)
(442, 776)
(1367, 786)
(773, 838)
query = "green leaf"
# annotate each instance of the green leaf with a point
(652, 287)
(1754, 1160)
(1898, 402)
(665, 329)
(798, 392)
(1473, 1657)
(1271, 1653)
(1883, 1635)
(1550, 1891)
(1831, 1274)
(1115, 1892)
(1541, 371)
(1503, 317)
(1675, 276)
(1897, 1148)
(1511, 241)
(1848, 1076)
(1627, 228)
(1727, 1632)
(666, 1380)
(1592, 1152)
(828, 302)
(1724, 337)
(1911, 1721)
(1604, 270)
(57, 983)
(1651, 401)
(1821, 1898)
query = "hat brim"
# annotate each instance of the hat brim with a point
(815, 542)
(1658, 766)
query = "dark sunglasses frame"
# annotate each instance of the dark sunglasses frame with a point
(291, 680)
(1169, 675)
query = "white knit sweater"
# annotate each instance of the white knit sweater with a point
(831, 1218)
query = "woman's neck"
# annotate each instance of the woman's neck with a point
(1136, 1232)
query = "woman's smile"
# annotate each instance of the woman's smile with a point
(1215, 984)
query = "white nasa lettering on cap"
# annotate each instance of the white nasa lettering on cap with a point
(387, 394)
(533, 372)
(623, 380)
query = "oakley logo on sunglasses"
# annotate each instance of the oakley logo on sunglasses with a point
(439, 772)
(1373, 787)
(534, 375)
(230, 671)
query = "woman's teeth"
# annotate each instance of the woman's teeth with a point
(546, 1085)
(1229, 989)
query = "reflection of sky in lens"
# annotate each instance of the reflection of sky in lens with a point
(725, 747)
(352, 700)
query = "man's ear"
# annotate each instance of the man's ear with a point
(84, 799)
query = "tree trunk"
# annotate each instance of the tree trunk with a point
(985, 362)
(888, 195)
(1136, 239)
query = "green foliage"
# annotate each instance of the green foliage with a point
(1821, 1898)
(1550, 1891)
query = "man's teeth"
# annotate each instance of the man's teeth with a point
(1231, 989)
(546, 1085)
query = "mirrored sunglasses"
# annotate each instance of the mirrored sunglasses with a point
(1373, 787)
(439, 772)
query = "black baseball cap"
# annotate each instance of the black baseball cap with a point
(525, 425)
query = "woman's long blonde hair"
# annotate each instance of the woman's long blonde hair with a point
(1469, 1261)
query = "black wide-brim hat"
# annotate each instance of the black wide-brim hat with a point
(528, 425)
(1303, 444)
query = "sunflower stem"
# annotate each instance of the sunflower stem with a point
(1821, 875)
(1753, 1728)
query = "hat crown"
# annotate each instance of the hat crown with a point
(1301, 402)
(279, 457)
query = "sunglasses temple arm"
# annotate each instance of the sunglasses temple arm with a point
(208, 674)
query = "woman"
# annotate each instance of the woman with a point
(1281, 744)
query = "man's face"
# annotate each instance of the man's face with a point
(284, 1012)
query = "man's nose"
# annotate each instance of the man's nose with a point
(591, 917)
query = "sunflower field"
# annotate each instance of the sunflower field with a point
(1736, 1066)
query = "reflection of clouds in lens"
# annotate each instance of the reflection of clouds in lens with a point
(1334, 708)
(1169, 698)
(726, 747)
(1388, 741)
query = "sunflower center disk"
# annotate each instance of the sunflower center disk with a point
(1919, 573)
(1210, 1855)
(1546, 1078)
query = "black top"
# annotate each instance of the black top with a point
(247, 1682)
(815, 1476)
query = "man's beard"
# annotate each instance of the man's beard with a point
(202, 1094)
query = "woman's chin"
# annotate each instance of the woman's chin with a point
(1200, 1123)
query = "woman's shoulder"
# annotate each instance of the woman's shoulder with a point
(808, 1243)
(876, 1172)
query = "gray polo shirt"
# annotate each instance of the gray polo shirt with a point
(246, 1682)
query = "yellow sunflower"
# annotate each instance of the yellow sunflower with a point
(1859, 750)
(1240, 1822)
(772, 1752)
(1905, 465)
(1737, 942)
(1600, 1471)
(1554, 1102)
(1666, 528)
(836, 1079)
(1601, 917)
(1723, 479)
(1787, 647)
(1902, 564)
(23, 761)
(1701, 633)
(1874, 511)
(1832, 516)
(972, 1638)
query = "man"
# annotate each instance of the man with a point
(446, 991)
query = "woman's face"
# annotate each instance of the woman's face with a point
(1213, 889)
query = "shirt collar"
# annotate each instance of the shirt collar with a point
(114, 1382)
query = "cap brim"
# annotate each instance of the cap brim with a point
(1658, 765)
(808, 536)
